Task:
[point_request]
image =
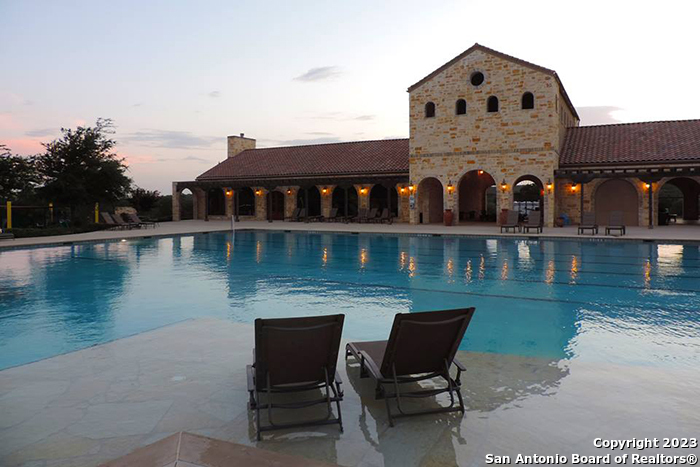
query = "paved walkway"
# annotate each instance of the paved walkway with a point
(671, 233)
(96, 404)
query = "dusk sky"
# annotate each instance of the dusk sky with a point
(178, 77)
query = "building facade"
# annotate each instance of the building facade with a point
(488, 133)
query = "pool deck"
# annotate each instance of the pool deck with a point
(90, 406)
(670, 234)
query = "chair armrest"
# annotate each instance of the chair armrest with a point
(337, 377)
(251, 380)
(371, 365)
(459, 365)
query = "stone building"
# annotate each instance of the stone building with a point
(488, 133)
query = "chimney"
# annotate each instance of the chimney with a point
(238, 144)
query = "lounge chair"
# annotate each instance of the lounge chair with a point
(385, 217)
(369, 216)
(123, 224)
(6, 235)
(361, 214)
(295, 355)
(616, 223)
(534, 221)
(134, 218)
(588, 223)
(107, 218)
(295, 216)
(511, 221)
(302, 216)
(421, 346)
(333, 216)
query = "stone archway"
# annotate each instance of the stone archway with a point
(245, 202)
(381, 197)
(186, 206)
(275, 205)
(345, 200)
(430, 201)
(216, 202)
(616, 195)
(309, 199)
(477, 197)
(679, 199)
(528, 195)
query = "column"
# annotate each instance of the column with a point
(363, 195)
(176, 203)
(228, 198)
(326, 198)
(260, 203)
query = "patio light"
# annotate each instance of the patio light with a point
(504, 185)
(258, 192)
(481, 172)
(289, 191)
(325, 190)
(450, 187)
(549, 185)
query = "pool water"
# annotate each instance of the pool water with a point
(621, 302)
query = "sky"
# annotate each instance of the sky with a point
(177, 77)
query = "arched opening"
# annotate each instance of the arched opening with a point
(679, 200)
(461, 107)
(528, 195)
(616, 195)
(186, 204)
(275, 206)
(430, 201)
(309, 199)
(429, 110)
(345, 200)
(381, 197)
(528, 101)
(216, 202)
(477, 197)
(492, 104)
(245, 202)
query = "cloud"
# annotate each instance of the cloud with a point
(25, 147)
(365, 117)
(300, 142)
(132, 159)
(139, 104)
(214, 94)
(197, 159)
(598, 115)
(40, 132)
(318, 133)
(320, 74)
(171, 139)
(343, 117)
(8, 122)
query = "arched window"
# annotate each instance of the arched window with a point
(528, 101)
(461, 107)
(429, 110)
(492, 104)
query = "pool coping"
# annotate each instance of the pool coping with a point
(490, 236)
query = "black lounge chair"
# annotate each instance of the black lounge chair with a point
(361, 214)
(122, 223)
(294, 217)
(616, 223)
(588, 223)
(134, 218)
(302, 216)
(369, 216)
(333, 216)
(6, 235)
(534, 221)
(421, 346)
(295, 355)
(385, 217)
(107, 218)
(511, 222)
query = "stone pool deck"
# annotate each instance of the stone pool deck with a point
(671, 233)
(87, 407)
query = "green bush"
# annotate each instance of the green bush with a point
(33, 232)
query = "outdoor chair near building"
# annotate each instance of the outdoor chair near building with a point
(616, 223)
(107, 218)
(534, 221)
(294, 355)
(421, 346)
(295, 216)
(124, 224)
(6, 235)
(134, 218)
(333, 216)
(512, 222)
(385, 217)
(588, 223)
(369, 216)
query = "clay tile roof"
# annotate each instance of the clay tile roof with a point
(510, 58)
(630, 143)
(388, 156)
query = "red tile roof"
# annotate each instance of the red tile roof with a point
(632, 143)
(389, 156)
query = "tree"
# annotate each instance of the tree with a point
(80, 168)
(144, 200)
(18, 176)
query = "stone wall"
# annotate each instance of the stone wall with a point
(238, 144)
(507, 144)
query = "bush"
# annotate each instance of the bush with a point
(33, 232)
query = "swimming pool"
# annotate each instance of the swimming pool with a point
(621, 302)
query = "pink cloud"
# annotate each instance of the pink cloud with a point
(8, 123)
(24, 146)
(134, 159)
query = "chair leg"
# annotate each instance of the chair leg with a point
(257, 417)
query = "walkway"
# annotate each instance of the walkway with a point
(671, 233)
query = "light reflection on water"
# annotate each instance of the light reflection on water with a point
(633, 303)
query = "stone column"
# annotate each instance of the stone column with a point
(363, 195)
(451, 200)
(290, 200)
(260, 203)
(228, 198)
(403, 202)
(176, 203)
(326, 199)
(199, 203)
(504, 200)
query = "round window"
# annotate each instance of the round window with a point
(477, 78)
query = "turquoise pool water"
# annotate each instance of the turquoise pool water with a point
(621, 302)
